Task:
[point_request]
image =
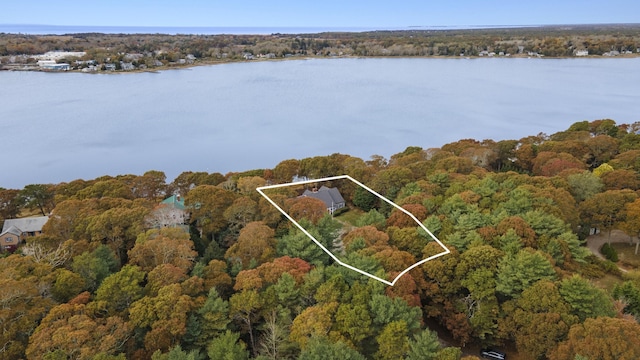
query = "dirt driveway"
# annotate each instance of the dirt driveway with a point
(595, 242)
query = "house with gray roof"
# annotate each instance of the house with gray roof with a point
(330, 196)
(15, 231)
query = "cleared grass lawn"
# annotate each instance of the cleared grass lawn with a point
(350, 216)
(626, 254)
(607, 282)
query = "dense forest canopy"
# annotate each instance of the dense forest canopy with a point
(203, 267)
(159, 50)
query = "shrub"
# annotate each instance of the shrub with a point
(611, 268)
(340, 211)
(609, 252)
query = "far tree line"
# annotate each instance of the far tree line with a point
(154, 50)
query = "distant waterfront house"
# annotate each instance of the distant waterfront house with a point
(52, 65)
(87, 62)
(91, 68)
(582, 53)
(16, 231)
(330, 196)
(42, 63)
(110, 67)
(127, 66)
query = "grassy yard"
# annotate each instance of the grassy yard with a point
(607, 282)
(350, 216)
(626, 254)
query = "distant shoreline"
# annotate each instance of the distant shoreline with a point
(35, 68)
(95, 52)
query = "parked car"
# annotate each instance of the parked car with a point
(492, 354)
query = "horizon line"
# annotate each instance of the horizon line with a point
(319, 26)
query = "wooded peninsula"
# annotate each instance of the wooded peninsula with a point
(127, 52)
(543, 235)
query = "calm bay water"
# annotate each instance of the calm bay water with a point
(169, 30)
(32, 29)
(242, 116)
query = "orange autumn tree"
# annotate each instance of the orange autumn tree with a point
(215, 274)
(242, 211)
(269, 273)
(163, 246)
(601, 338)
(73, 331)
(207, 204)
(22, 305)
(400, 219)
(306, 207)
(162, 318)
(370, 235)
(256, 243)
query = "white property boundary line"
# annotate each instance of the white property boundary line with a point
(391, 283)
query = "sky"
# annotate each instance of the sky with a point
(326, 13)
